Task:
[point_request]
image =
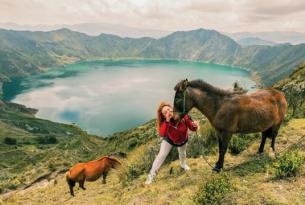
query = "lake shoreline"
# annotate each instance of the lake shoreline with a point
(173, 63)
(254, 76)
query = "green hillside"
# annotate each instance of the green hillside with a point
(32, 149)
(251, 175)
(294, 89)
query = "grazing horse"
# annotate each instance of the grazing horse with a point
(90, 171)
(232, 112)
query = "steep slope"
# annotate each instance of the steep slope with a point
(33, 148)
(294, 89)
(201, 44)
(250, 41)
(24, 52)
(250, 173)
(297, 78)
(271, 63)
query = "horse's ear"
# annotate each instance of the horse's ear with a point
(184, 84)
(181, 86)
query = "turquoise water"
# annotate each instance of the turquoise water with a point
(103, 97)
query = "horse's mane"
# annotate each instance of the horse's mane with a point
(204, 86)
(113, 160)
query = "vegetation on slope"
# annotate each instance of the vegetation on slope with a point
(252, 179)
(294, 89)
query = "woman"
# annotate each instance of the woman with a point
(174, 133)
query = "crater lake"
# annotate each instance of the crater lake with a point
(107, 96)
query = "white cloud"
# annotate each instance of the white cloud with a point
(223, 15)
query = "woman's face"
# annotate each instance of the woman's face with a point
(165, 110)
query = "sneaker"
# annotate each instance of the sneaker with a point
(149, 179)
(185, 167)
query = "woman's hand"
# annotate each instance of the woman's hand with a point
(196, 124)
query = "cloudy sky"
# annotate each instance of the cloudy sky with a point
(170, 15)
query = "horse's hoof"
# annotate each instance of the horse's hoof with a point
(216, 169)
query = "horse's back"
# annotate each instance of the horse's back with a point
(260, 110)
(275, 98)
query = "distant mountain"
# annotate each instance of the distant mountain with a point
(201, 44)
(249, 41)
(92, 29)
(276, 37)
(24, 52)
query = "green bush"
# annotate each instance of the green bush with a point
(47, 139)
(12, 187)
(240, 142)
(10, 141)
(132, 143)
(203, 143)
(214, 190)
(289, 164)
(237, 145)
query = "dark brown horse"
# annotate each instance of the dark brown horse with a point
(90, 171)
(232, 112)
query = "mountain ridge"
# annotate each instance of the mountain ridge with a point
(26, 52)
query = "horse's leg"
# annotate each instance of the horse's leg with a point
(104, 176)
(274, 133)
(71, 184)
(265, 134)
(81, 184)
(223, 144)
(219, 150)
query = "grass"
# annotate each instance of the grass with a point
(249, 172)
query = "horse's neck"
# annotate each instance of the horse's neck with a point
(207, 104)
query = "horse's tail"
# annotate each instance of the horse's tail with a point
(114, 162)
(69, 181)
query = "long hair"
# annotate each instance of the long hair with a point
(160, 117)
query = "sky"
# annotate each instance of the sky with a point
(168, 15)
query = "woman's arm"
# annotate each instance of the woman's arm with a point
(163, 128)
(190, 123)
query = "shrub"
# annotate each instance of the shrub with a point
(240, 142)
(10, 141)
(12, 187)
(204, 142)
(47, 140)
(214, 190)
(289, 164)
(237, 145)
(132, 143)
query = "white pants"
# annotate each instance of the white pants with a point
(164, 150)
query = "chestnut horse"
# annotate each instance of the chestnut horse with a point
(232, 112)
(90, 171)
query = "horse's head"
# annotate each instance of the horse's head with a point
(182, 102)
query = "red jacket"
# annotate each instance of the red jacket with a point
(177, 134)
